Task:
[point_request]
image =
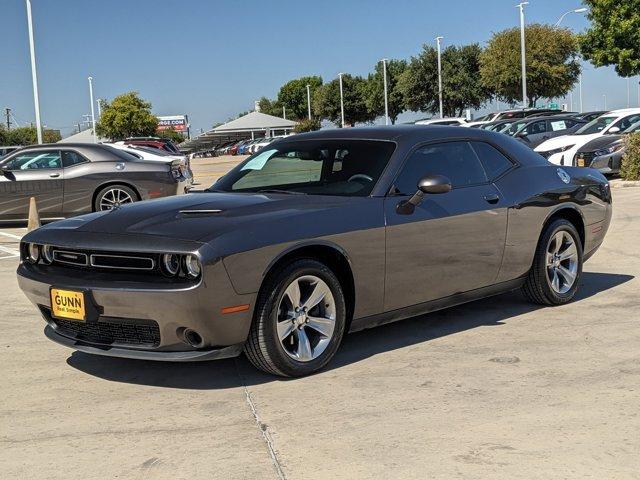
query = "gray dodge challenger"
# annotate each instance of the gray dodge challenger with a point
(315, 236)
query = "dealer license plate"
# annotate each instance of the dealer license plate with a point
(581, 162)
(68, 304)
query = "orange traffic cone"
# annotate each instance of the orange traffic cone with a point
(34, 218)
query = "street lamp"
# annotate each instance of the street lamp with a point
(386, 98)
(93, 117)
(523, 58)
(604, 101)
(99, 107)
(34, 74)
(309, 100)
(438, 40)
(341, 100)
(577, 10)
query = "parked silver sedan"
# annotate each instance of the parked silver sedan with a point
(72, 179)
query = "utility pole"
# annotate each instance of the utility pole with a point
(438, 40)
(386, 94)
(523, 57)
(8, 115)
(34, 75)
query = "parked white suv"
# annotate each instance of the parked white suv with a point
(562, 150)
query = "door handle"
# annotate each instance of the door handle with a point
(54, 175)
(492, 198)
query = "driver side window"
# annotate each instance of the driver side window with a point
(455, 160)
(40, 159)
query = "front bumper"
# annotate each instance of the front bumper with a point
(126, 309)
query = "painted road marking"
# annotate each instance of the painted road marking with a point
(11, 235)
(10, 251)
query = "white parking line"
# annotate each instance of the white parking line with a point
(11, 235)
(10, 251)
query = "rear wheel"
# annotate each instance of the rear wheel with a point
(113, 196)
(557, 266)
(299, 320)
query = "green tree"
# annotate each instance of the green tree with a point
(127, 115)
(375, 89)
(171, 134)
(3, 135)
(461, 85)
(630, 169)
(293, 96)
(552, 63)
(29, 136)
(270, 107)
(306, 125)
(326, 101)
(614, 35)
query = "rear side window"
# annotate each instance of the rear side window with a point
(72, 158)
(536, 127)
(455, 160)
(493, 162)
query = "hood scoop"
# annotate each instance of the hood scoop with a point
(200, 212)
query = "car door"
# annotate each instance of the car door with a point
(32, 173)
(79, 187)
(452, 242)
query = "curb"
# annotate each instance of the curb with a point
(624, 183)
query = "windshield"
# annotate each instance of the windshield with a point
(595, 126)
(315, 167)
(633, 128)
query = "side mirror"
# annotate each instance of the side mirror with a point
(427, 185)
(614, 130)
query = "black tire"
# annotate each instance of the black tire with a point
(537, 287)
(263, 348)
(99, 196)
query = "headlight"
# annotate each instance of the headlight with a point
(192, 266)
(47, 253)
(33, 252)
(609, 150)
(170, 263)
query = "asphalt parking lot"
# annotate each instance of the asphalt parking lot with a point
(492, 389)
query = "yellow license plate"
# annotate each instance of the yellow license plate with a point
(581, 162)
(68, 304)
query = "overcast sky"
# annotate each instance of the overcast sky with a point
(212, 59)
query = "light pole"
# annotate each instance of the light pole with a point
(580, 87)
(523, 58)
(386, 97)
(309, 100)
(577, 10)
(99, 108)
(34, 74)
(284, 112)
(604, 101)
(438, 40)
(93, 117)
(341, 100)
(628, 92)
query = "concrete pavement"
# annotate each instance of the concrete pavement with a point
(493, 389)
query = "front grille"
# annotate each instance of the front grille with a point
(586, 156)
(122, 262)
(104, 260)
(70, 258)
(110, 331)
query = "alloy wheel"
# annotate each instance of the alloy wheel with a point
(113, 198)
(562, 262)
(306, 318)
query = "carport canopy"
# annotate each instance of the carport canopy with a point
(251, 125)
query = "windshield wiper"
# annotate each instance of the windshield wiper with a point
(275, 190)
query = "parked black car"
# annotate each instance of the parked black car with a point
(535, 130)
(70, 179)
(323, 233)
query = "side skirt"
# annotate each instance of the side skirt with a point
(434, 305)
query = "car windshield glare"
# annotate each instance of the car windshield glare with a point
(595, 126)
(313, 167)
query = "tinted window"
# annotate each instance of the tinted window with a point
(595, 126)
(626, 122)
(494, 162)
(317, 167)
(72, 158)
(536, 127)
(41, 159)
(455, 160)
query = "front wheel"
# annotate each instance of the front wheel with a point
(299, 320)
(557, 265)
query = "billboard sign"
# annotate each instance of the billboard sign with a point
(179, 123)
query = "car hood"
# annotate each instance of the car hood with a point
(601, 142)
(197, 216)
(565, 140)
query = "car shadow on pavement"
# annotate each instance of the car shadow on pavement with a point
(232, 373)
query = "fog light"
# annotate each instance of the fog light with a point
(47, 253)
(171, 263)
(192, 266)
(33, 252)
